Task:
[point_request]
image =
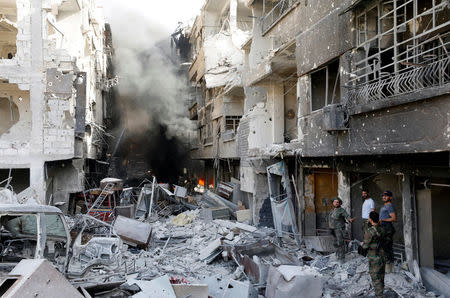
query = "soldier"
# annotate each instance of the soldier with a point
(373, 243)
(337, 218)
(387, 218)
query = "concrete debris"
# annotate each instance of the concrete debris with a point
(209, 214)
(320, 243)
(133, 232)
(190, 290)
(158, 287)
(185, 218)
(436, 281)
(293, 281)
(218, 201)
(243, 215)
(173, 251)
(240, 289)
(212, 249)
(36, 278)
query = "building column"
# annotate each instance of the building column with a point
(301, 198)
(275, 103)
(37, 104)
(408, 213)
(344, 193)
(37, 181)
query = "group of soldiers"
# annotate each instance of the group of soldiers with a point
(378, 231)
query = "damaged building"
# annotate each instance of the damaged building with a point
(348, 95)
(54, 96)
(216, 74)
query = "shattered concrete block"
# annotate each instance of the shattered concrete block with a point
(190, 290)
(233, 225)
(159, 287)
(240, 289)
(243, 215)
(211, 249)
(36, 278)
(133, 232)
(293, 281)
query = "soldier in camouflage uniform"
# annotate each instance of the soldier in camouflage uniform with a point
(373, 243)
(337, 218)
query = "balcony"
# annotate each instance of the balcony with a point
(281, 9)
(433, 77)
(420, 70)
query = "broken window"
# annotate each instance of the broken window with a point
(232, 123)
(403, 46)
(325, 86)
(18, 237)
(56, 238)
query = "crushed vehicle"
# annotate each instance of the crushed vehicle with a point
(31, 231)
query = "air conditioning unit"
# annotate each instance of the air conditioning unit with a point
(335, 118)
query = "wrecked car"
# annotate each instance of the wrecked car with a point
(37, 231)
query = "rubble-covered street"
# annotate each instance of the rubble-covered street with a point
(181, 253)
(224, 148)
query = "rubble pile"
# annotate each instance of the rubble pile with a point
(187, 251)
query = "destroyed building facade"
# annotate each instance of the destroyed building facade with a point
(55, 80)
(351, 95)
(218, 62)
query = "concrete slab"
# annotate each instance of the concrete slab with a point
(435, 281)
(36, 278)
(240, 289)
(243, 215)
(191, 291)
(133, 232)
(159, 287)
(293, 281)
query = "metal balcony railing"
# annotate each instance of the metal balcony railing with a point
(276, 13)
(435, 74)
(422, 66)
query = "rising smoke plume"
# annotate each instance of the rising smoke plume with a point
(148, 77)
(151, 93)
